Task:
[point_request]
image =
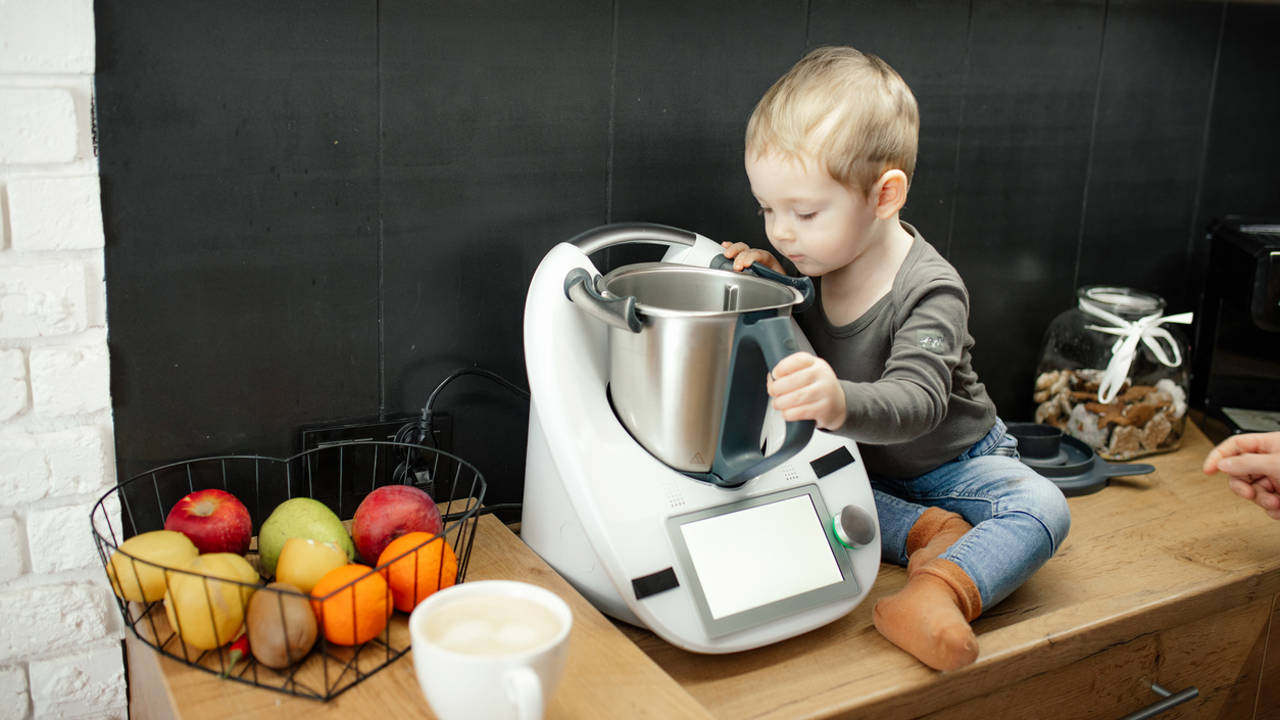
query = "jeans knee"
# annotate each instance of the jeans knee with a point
(1046, 503)
(1058, 518)
(1054, 513)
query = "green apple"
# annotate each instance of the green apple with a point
(304, 518)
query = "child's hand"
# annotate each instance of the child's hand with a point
(804, 387)
(1253, 463)
(743, 256)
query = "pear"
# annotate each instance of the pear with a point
(300, 517)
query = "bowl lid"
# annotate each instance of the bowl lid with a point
(1073, 465)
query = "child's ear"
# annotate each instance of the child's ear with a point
(890, 193)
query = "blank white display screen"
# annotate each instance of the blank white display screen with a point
(760, 555)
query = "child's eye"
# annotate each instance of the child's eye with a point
(806, 216)
(763, 211)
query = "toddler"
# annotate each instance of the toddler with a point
(830, 150)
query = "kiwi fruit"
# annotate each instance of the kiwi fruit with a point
(280, 624)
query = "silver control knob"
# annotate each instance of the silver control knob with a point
(854, 527)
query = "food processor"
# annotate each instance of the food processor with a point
(658, 482)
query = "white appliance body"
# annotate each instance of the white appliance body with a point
(707, 568)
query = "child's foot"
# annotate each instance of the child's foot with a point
(933, 532)
(929, 618)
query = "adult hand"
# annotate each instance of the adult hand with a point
(805, 387)
(743, 256)
(1252, 463)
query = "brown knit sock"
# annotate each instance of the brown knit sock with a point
(929, 618)
(934, 531)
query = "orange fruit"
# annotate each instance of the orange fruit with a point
(435, 563)
(352, 603)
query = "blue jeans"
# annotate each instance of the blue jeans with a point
(1019, 517)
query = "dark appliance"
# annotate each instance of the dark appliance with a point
(1235, 374)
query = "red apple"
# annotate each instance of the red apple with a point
(389, 512)
(214, 520)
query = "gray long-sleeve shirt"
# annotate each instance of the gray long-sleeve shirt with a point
(914, 401)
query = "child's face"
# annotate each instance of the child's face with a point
(815, 221)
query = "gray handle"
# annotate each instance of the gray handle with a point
(1116, 470)
(803, 284)
(1168, 700)
(738, 455)
(606, 236)
(619, 312)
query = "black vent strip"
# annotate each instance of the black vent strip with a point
(832, 461)
(654, 583)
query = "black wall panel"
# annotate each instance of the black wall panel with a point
(1148, 146)
(317, 210)
(1242, 161)
(238, 147)
(495, 122)
(1021, 165)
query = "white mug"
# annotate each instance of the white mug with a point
(490, 649)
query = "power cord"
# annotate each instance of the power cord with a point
(424, 424)
(421, 432)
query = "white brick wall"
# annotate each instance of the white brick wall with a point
(79, 686)
(13, 692)
(40, 298)
(71, 379)
(37, 126)
(60, 632)
(47, 36)
(13, 384)
(55, 213)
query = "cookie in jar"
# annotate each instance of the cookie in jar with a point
(1113, 373)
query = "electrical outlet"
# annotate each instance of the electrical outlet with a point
(340, 476)
(372, 429)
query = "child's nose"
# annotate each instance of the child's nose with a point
(780, 229)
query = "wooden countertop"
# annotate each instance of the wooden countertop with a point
(1144, 554)
(606, 676)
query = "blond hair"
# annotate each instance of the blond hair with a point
(847, 110)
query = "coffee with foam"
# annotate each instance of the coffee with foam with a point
(490, 649)
(491, 625)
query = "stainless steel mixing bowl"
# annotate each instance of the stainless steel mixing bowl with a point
(669, 380)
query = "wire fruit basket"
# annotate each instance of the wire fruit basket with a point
(193, 615)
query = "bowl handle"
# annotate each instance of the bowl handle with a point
(767, 338)
(620, 312)
(803, 284)
(1115, 470)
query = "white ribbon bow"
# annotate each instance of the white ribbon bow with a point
(1146, 330)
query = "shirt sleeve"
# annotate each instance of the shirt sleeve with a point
(910, 397)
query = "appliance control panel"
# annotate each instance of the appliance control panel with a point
(761, 559)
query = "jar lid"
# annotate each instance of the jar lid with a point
(1126, 302)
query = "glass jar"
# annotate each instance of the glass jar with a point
(1113, 374)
